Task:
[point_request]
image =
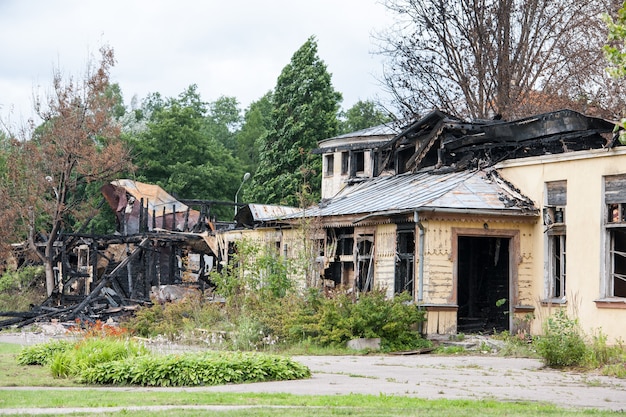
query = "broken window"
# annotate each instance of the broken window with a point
(340, 262)
(405, 257)
(357, 163)
(365, 263)
(615, 232)
(345, 158)
(554, 219)
(330, 165)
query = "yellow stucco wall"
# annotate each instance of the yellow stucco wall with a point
(584, 172)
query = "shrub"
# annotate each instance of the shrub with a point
(211, 368)
(21, 278)
(42, 353)
(175, 318)
(337, 319)
(90, 352)
(562, 343)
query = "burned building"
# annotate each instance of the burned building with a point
(489, 224)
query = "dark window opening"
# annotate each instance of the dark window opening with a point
(615, 227)
(483, 284)
(345, 159)
(365, 263)
(557, 266)
(330, 165)
(618, 263)
(357, 162)
(402, 158)
(405, 257)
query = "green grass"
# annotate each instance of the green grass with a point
(314, 405)
(16, 376)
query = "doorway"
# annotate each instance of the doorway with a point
(483, 284)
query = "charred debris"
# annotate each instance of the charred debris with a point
(445, 143)
(161, 251)
(164, 247)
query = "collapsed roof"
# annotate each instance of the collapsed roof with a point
(446, 143)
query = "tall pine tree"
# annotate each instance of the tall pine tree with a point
(304, 110)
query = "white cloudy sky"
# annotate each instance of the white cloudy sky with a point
(230, 47)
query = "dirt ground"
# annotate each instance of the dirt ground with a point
(431, 377)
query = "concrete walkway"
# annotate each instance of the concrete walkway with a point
(432, 377)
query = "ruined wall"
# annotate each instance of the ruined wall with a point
(440, 256)
(385, 239)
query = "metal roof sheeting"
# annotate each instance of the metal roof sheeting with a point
(474, 190)
(264, 212)
(154, 196)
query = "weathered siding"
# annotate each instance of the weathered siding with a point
(385, 240)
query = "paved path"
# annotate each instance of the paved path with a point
(431, 377)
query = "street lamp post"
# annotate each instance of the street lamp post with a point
(246, 177)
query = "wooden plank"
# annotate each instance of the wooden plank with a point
(557, 193)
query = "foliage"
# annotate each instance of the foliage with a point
(181, 148)
(175, 319)
(338, 319)
(361, 115)
(304, 111)
(254, 269)
(21, 278)
(609, 359)
(256, 124)
(51, 164)
(211, 368)
(615, 49)
(92, 351)
(562, 343)
(223, 121)
(510, 58)
(42, 353)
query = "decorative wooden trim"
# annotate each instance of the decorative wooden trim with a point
(440, 307)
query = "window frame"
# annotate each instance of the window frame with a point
(555, 242)
(614, 222)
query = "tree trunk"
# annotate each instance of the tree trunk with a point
(49, 276)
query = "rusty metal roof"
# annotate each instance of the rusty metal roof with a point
(469, 190)
(153, 196)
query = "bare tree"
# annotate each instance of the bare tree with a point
(483, 58)
(50, 165)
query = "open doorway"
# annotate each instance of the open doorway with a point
(483, 285)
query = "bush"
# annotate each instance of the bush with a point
(21, 278)
(42, 353)
(175, 318)
(211, 368)
(562, 343)
(337, 319)
(90, 352)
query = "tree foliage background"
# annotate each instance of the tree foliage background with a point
(50, 167)
(508, 58)
(305, 108)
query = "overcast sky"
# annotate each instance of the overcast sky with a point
(229, 47)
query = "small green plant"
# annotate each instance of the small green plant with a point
(212, 368)
(450, 350)
(562, 343)
(92, 351)
(21, 278)
(42, 353)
